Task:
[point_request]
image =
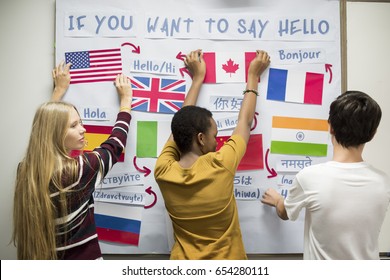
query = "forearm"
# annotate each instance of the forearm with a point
(248, 105)
(125, 92)
(58, 93)
(272, 198)
(193, 92)
(280, 209)
(125, 104)
(197, 67)
(247, 111)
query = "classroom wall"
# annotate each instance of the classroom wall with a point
(368, 57)
(27, 56)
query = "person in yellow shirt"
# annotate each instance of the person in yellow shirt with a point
(196, 181)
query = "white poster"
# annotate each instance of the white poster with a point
(147, 40)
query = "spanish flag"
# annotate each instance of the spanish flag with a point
(95, 135)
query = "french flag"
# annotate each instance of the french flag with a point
(227, 67)
(295, 86)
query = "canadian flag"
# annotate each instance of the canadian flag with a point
(227, 67)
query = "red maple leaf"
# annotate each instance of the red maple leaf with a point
(230, 67)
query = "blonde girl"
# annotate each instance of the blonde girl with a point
(53, 203)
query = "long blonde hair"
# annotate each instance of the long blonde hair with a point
(44, 166)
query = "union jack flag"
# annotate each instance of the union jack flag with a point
(159, 95)
(94, 66)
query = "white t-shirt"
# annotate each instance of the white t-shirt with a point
(345, 203)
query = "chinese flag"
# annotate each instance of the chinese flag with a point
(253, 158)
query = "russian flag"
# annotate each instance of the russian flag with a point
(227, 67)
(299, 136)
(118, 223)
(295, 86)
(253, 158)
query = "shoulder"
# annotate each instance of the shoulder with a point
(235, 142)
(168, 156)
(236, 138)
(170, 149)
(312, 169)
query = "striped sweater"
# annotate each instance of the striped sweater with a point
(76, 232)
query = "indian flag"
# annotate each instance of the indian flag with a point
(299, 136)
(151, 138)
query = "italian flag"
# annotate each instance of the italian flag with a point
(151, 138)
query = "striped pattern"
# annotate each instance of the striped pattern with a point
(94, 65)
(295, 86)
(76, 232)
(299, 136)
(118, 223)
(97, 134)
(151, 138)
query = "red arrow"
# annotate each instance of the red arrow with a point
(136, 49)
(180, 56)
(150, 192)
(271, 171)
(329, 67)
(255, 121)
(184, 70)
(144, 170)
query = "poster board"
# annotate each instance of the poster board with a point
(147, 40)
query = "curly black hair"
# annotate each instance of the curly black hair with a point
(187, 123)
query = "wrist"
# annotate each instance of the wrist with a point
(277, 202)
(57, 94)
(251, 91)
(125, 109)
(198, 79)
(125, 102)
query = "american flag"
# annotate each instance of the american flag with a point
(157, 94)
(94, 66)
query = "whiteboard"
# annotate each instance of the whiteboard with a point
(301, 37)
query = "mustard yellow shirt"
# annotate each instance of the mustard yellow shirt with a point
(201, 203)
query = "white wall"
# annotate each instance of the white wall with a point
(27, 57)
(368, 56)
